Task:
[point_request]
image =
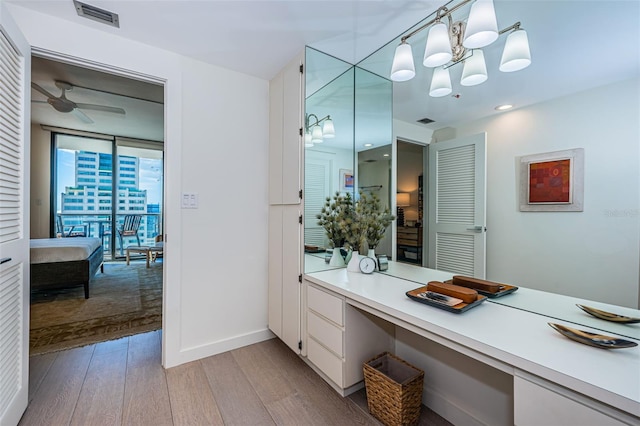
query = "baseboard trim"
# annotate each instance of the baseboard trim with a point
(214, 348)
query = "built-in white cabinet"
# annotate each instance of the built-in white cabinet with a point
(538, 402)
(340, 338)
(285, 208)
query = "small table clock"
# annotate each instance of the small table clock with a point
(367, 265)
(383, 262)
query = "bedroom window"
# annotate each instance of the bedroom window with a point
(79, 162)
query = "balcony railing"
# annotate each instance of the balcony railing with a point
(100, 226)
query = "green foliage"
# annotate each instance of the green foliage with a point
(350, 224)
(374, 220)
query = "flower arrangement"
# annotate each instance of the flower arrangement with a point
(350, 224)
(374, 219)
(337, 219)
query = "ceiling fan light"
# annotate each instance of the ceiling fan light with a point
(440, 83)
(328, 131)
(475, 69)
(403, 68)
(438, 49)
(482, 26)
(316, 134)
(516, 54)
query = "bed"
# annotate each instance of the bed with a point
(65, 262)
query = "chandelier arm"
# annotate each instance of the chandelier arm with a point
(447, 12)
(513, 27)
(317, 122)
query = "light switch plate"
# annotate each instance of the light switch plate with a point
(189, 200)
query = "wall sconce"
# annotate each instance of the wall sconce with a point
(460, 42)
(313, 133)
(403, 199)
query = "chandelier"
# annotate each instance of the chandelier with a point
(462, 42)
(313, 133)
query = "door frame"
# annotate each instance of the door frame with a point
(168, 259)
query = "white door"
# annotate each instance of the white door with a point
(457, 206)
(15, 62)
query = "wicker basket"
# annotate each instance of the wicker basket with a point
(394, 390)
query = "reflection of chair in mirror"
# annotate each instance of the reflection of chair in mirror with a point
(72, 229)
(129, 228)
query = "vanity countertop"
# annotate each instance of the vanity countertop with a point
(509, 339)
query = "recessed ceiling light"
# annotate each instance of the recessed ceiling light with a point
(504, 107)
(385, 155)
(367, 145)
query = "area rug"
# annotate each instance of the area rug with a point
(124, 300)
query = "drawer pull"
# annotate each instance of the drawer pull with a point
(5, 260)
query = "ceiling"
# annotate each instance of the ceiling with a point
(575, 45)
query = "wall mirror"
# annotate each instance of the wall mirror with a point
(572, 254)
(357, 156)
(593, 254)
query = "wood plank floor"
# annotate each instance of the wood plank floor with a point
(121, 382)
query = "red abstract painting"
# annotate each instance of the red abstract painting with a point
(550, 182)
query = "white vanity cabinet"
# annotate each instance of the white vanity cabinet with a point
(340, 338)
(539, 402)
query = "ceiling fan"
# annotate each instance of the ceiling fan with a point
(62, 104)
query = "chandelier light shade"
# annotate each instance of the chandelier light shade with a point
(461, 41)
(482, 26)
(516, 54)
(474, 70)
(316, 134)
(438, 48)
(307, 140)
(328, 131)
(403, 68)
(440, 83)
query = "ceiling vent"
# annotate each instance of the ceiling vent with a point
(97, 14)
(426, 120)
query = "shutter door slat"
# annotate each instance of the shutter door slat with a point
(455, 190)
(455, 253)
(10, 334)
(11, 162)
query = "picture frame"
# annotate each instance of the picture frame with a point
(552, 181)
(346, 180)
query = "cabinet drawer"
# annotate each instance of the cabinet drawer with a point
(325, 304)
(326, 333)
(327, 362)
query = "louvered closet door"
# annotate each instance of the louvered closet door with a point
(14, 233)
(317, 184)
(457, 206)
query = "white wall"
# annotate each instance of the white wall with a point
(216, 255)
(40, 182)
(592, 254)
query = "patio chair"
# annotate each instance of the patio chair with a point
(129, 228)
(72, 229)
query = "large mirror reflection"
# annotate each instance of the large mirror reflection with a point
(580, 91)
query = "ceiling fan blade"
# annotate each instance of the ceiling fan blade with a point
(82, 116)
(101, 108)
(41, 90)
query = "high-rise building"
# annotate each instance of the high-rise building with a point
(92, 192)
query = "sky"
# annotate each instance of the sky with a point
(150, 176)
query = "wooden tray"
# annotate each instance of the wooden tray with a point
(508, 289)
(458, 309)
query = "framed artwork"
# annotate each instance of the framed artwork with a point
(552, 182)
(346, 180)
